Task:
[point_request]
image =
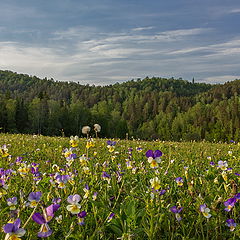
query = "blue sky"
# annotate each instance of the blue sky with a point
(107, 41)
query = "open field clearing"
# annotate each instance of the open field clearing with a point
(61, 188)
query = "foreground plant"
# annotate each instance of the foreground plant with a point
(13, 230)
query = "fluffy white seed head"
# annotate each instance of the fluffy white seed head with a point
(86, 129)
(97, 127)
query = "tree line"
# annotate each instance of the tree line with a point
(150, 108)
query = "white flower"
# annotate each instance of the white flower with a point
(74, 206)
(223, 165)
(205, 211)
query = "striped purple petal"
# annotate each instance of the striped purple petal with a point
(38, 218)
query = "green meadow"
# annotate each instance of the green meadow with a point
(93, 188)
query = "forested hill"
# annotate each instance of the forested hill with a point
(168, 109)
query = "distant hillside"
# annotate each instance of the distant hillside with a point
(162, 108)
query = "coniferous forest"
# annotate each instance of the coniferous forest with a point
(150, 108)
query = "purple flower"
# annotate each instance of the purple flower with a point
(139, 149)
(11, 202)
(229, 204)
(111, 216)
(34, 170)
(81, 217)
(62, 180)
(111, 143)
(231, 224)
(73, 199)
(161, 192)
(155, 154)
(45, 230)
(176, 210)
(237, 196)
(38, 218)
(179, 181)
(13, 230)
(18, 160)
(50, 210)
(2, 183)
(154, 158)
(34, 198)
(48, 214)
(94, 197)
(105, 175)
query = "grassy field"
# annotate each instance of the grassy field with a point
(62, 188)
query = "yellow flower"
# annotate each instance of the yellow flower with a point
(74, 141)
(110, 148)
(90, 143)
(23, 170)
(155, 183)
(4, 151)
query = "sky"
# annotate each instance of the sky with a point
(102, 42)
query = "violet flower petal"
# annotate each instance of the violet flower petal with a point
(38, 218)
(149, 153)
(157, 153)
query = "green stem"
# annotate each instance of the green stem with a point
(25, 224)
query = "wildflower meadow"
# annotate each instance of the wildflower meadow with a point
(93, 188)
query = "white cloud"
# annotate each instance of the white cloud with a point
(236, 10)
(142, 28)
(226, 48)
(32, 60)
(221, 79)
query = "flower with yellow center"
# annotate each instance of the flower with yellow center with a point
(74, 206)
(74, 141)
(90, 143)
(83, 160)
(205, 211)
(4, 151)
(13, 230)
(155, 183)
(154, 157)
(223, 165)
